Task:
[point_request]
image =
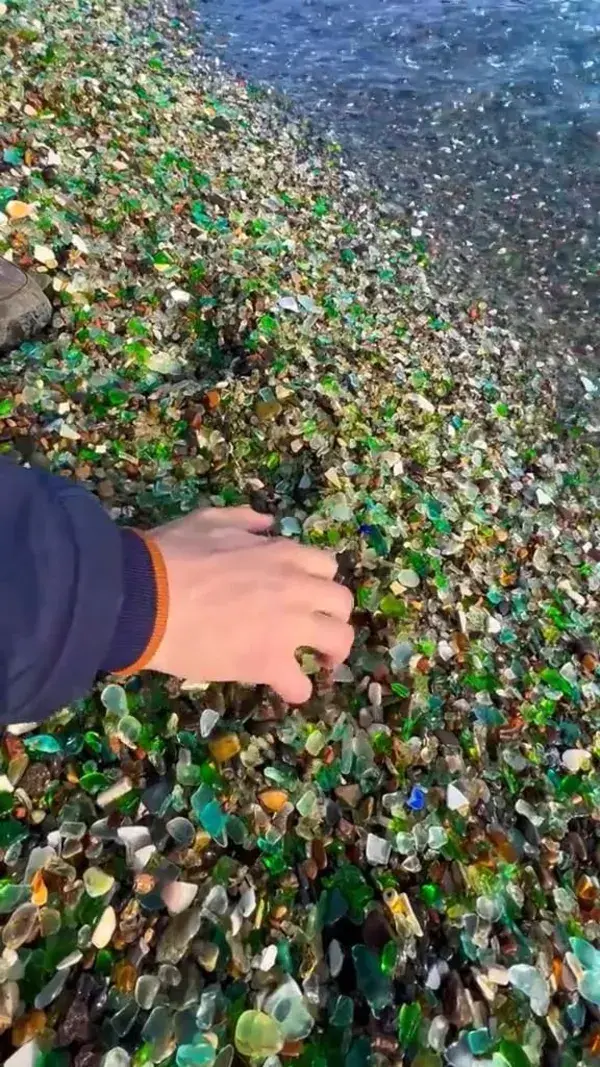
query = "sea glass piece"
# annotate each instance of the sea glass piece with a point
(342, 1012)
(114, 699)
(588, 956)
(479, 1041)
(97, 882)
(375, 986)
(530, 981)
(288, 1007)
(21, 927)
(258, 1035)
(146, 988)
(200, 1054)
(409, 1021)
(43, 745)
(589, 986)
(181, 830)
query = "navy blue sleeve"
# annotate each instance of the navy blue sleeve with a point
(76, 593)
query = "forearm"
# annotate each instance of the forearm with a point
(77, 594)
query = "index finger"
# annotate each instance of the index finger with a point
(318, 562)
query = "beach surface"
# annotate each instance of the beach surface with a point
(406, 866)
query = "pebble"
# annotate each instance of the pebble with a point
(178, 896)
(576, 759)
(105, 928)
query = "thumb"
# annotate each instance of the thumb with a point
(292, 684)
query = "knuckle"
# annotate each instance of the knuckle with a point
(345, 638)
(346, 599)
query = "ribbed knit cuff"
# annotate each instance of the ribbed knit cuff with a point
(142, 619)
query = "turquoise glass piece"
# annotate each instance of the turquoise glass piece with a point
(479, 1041)
(589, 987)
(214, 820)
(43, 745)
(375, 986)
(200, 1054)
(588, 956)
(201, 799)
(360, 1054)
(284, 957)
(342, 1012)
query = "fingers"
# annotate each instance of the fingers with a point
(292, 684)
(332, 638)
(315, 561)
(242, 518)
(320, 595)
(329, 637)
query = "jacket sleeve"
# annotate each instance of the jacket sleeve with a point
(77, 593)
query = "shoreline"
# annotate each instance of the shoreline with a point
(236, 319)
(548, 303)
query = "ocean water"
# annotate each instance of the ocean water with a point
(481, 120)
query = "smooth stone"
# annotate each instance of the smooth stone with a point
(533, 985)
(585, 953)
(13, 895)
(97, 882)
(21, 927)
(216, 901)
(589, 986)
(181, 830)
(335, 958)
(158, 1025)
(267, 958)
(69, 961)
(224, 748)
(205, 1015)
(117, 1057)
(141, 858)
(455, 800)
(175, 939)
(128, 730)
(376, 987)
(576, 759)
(409, 578)
(51, 990)
(146, 988)
(207, 954)
(200, 1054)
(247, 902)
(378, 850)
(24, 308)
(114, 699)
(9, 1002)
(287, 1006)
(50, 921)
(114, 792)
(134, 837)
(208, 720)
(105, 928)
(257, 1034)
(26, 1056)
(178, 896)
(17, 729)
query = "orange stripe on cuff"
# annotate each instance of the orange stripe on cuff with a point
(162, 607)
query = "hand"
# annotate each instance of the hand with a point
(241, 604)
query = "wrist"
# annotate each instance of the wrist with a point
(143, 615)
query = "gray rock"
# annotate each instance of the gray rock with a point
(177, 936)
(24, 310)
